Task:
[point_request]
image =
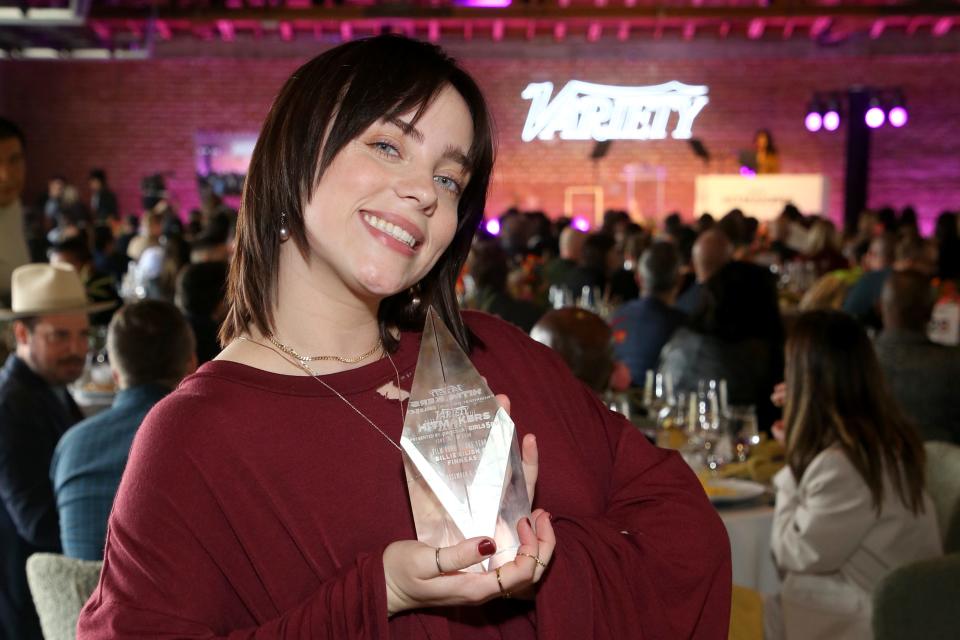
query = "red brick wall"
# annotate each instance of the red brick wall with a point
(137, 118)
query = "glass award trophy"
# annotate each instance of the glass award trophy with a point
(462, 458)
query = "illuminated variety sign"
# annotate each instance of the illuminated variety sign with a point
(588, 111)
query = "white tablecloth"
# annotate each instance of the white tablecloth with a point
(749, 530)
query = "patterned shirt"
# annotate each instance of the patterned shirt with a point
(87, 466)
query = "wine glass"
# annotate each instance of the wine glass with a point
(657, 392)
(744, 428)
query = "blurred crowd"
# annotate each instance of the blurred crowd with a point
(142, 297)
(713, 299)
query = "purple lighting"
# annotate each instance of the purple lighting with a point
(484, 4)
(493, 226)
(813, 122)
(897, 117)
(580, 223)
(831, 121)
(874, 117)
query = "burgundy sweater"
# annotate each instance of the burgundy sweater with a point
(258, 505)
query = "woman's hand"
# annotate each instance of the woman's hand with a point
(414, 581)
(779, 395)
(779, 432)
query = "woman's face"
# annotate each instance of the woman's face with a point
(386, 208)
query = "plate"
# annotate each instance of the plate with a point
(730, 490)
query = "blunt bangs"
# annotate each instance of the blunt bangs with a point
(322, 107)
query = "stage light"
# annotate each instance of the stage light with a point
(874, 117)
(493, 226)
(813, 122)
(580, 223)
(484, 4)
(897, 117)
(831, 120)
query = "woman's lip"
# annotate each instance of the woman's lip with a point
(388, 240)
(399, 221)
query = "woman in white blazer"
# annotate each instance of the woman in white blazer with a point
(850, 503)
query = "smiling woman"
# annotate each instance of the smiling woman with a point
(265, 498)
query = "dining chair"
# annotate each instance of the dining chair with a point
(918, 601)
(943, 485)
(60, 586)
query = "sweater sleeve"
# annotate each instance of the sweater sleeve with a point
(641, 553)
(817, 526)
(654, 564)
(175, 566)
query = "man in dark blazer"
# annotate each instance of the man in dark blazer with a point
(52, 330)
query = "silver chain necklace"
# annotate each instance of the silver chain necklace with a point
(306, 369)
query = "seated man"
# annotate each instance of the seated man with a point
(151, 348)
(100, 285)
(921, 375)
(641, 327)
(201, 288)
(711, 252)
(52, 331)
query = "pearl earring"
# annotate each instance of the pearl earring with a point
(284, 231)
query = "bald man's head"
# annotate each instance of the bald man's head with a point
(571, 243)
(907, 301)
(711, 251)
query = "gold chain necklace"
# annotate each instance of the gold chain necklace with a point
(304, 359)
(301, 365)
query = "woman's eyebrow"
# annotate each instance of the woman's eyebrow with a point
(407, 129)
(450, 153)
(457, 155)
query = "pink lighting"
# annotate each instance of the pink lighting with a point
(831, 120)
(580, 223)
(225, 27)
(813, 122)
(747, 172)
(874, 117)
(493, 226)
(498, 30)
(594, 31)
(484, 4)
(286, 31)
(897, 117)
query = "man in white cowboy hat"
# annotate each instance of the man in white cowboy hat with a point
(49, 312)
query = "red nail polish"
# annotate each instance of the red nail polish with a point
(486, 547)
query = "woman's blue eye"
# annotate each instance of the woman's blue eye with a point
(448, 183)
(385, 148)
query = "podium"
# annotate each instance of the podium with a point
(761, 196)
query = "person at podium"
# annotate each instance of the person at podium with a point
(763, 158)
(767, 160)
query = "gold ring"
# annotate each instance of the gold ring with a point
(503, 594)
(437, 558)
(533, 557)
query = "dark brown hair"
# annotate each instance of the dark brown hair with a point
(324, 105)
(836, 395)
(150, 342)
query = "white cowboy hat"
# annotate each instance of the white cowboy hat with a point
(44, 289)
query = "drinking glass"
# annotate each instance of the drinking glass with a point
(657, 392)
(744, 429)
